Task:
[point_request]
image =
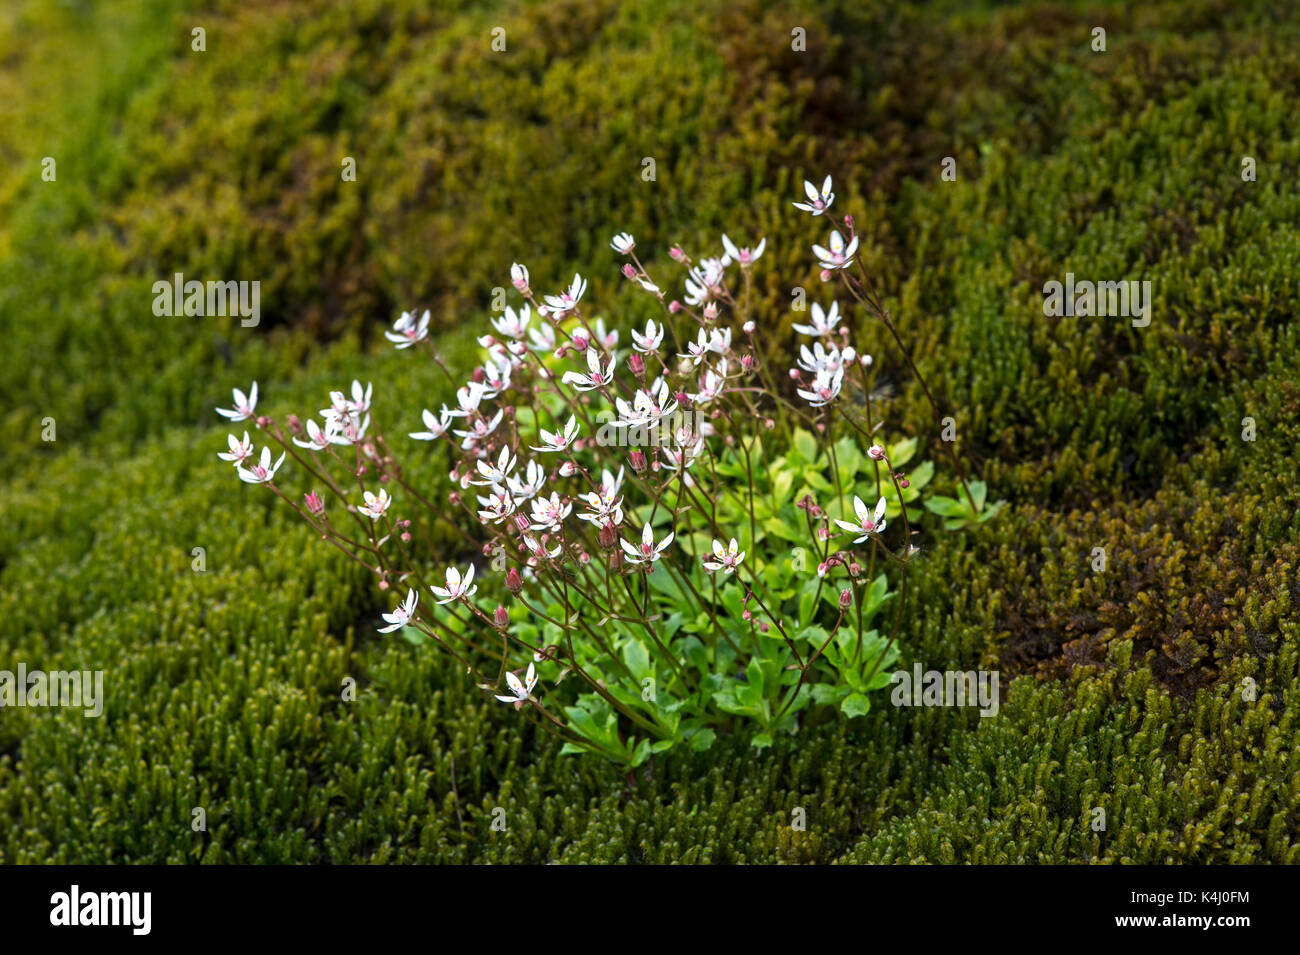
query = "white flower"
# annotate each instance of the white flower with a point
(568, 300)
(479, 429)
(822, 322)
(263, 472)
(513, 324)
(522, 689)
(240, 451)
(407, 331)
(609, 483)
(816, 204)
(244, 404)
(648, 552)
(519, 276)
(539, 550)
(468, 398)
(837, 256)
(744, 256)
(559, 440)
(437, 426)
(724, 559)
(596, 376)
(683, 455)
(317, 440)
(602, 508)
(698, 349)
(548, 514)
(529, 484)
(497, 506)
(456, 586)
(818, 358)
(704, 282)
(345, 429)
(651, 340)
(497, 473)
(400, 617)
(825, 388)
(541, 338)
(375, 506)
(866, 526)
(646, 408)
(623, 243)
(711, 384)
(361, 399)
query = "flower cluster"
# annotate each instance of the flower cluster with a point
(655, 575)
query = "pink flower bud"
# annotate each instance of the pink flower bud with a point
(454, 498)
(747, 328)
(711, 311)
(826, 275)
(747, 615)
(763, 627)
(636, 364)
(848, 221)
(877, 452)
(676, 254)
(855, 569)
(747, 362)
(580, 340)
(500, 617)
(637, 459)
(383, 585)
(608, 536)
(846, 599)
(794, 374)
(822, 568)
(406, 537)
(674, 306)
(629, 270)
(514, 583)
(314, 504)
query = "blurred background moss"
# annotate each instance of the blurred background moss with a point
(1122, 690)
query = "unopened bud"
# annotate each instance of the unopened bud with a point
(608, 536)
(674, 306)
(846, 599)
(876, 451)
(747, 328)
(636, 364)
(676, 254)
(637, 460)
(500, 617)
(629, 270)
(514, 583)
